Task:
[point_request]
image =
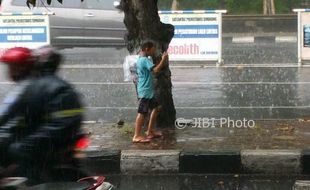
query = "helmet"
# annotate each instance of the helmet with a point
(18, 56)
(48, 58)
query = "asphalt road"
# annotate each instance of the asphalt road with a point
(265, 84)
(202, 182)
(233, 53)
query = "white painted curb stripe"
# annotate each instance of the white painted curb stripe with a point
(286, 39)
(150, 161)
(272, 161)
(89, 122)
(301, 185)
(251, 39)
(247, 39)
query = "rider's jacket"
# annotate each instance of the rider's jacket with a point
(40, 118)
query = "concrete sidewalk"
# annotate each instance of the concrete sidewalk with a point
(271, 147)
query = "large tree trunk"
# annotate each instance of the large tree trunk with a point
(143, 23)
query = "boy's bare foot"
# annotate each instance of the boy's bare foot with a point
(140, 140)
(154, 134)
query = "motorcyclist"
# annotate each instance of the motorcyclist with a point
(48, 60)
(40, 120)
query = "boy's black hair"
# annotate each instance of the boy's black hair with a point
(147, 44)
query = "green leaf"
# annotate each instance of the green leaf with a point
(49, 2)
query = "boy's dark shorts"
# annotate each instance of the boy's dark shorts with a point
(147, 104)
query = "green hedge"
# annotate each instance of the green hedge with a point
(233, 6)
(286, 6)
(244, 6)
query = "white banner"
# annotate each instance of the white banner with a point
(197, 35)
(24, 30)
(303, 31)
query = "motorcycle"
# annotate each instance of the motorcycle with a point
(85, 183)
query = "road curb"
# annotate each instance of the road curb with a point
(282, 162)
(150, 161)
(259, 39)
(210, 162)
(102, 162)
(271, 161)
(301, 185)
(305, 161)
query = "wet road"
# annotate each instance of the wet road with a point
(266, 91)
(201, 182)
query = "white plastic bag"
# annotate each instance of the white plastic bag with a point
(130, 69)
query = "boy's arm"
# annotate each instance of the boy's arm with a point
(160, 65)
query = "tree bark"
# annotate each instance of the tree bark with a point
(143, 23)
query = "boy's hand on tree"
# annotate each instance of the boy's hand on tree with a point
(164, 56)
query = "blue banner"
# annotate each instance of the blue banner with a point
(307, 36)
(27, 34)
(196, 31)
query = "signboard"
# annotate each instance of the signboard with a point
(306, 31)
(24, 30)
(303, 31)
(198, 35)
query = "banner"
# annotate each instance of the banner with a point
(24, 30)
(306, 35)
(197, 35)
(303, 32)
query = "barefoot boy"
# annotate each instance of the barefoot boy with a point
(147, 101)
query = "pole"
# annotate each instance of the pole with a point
(299, 39)
(273, 10)
(174, 5)
(220, 60)
(265, 7)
